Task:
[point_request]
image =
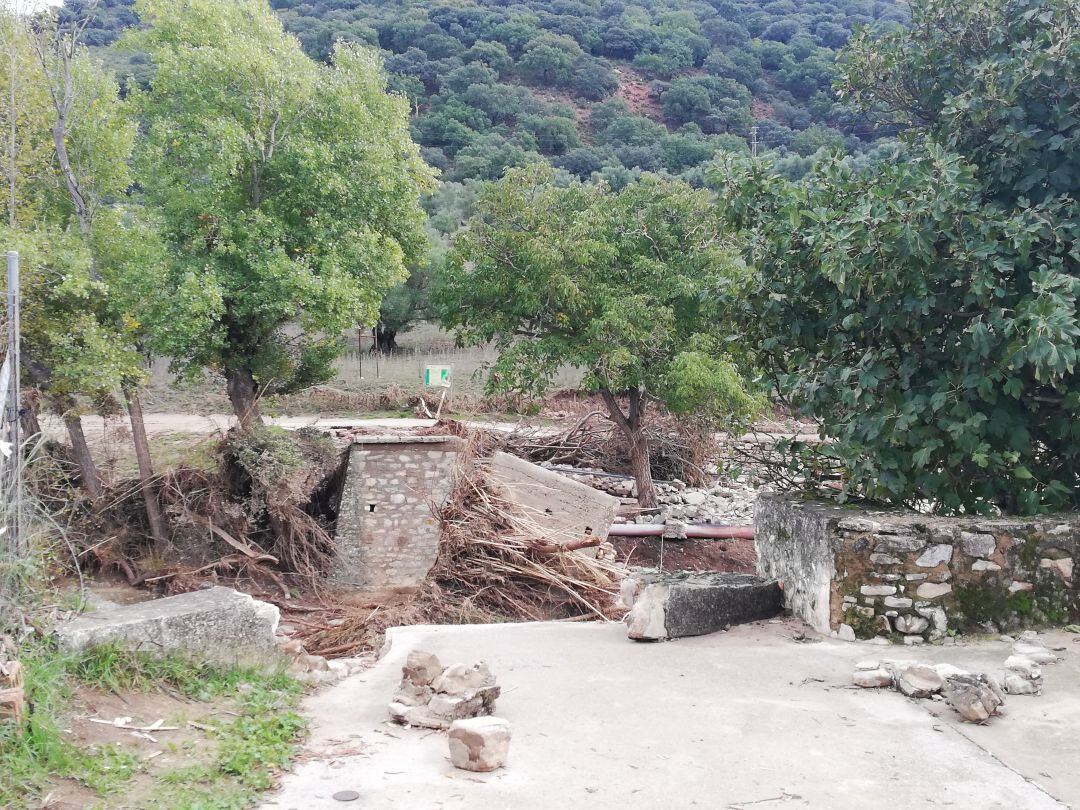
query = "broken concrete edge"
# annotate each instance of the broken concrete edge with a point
(411, 438)
(218, 624)
(673, 605)
(434, 629)
(565, 508)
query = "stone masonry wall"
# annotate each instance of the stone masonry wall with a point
(864, 573)
(387, 534)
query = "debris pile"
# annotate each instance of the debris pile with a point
(433, 696)
(677, 450)
(976, 697)
(496, 562)
(12, 696)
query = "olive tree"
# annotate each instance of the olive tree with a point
(628, 286)
(288, 189)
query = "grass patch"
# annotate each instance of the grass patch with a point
(248, 747)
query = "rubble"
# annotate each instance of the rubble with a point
(479, 743)
(975, 696)
(919, 681)
(216, 624)
(972, 696)
(432, 696)
(726, 502)
(684, 603)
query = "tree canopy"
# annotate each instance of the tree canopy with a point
(629, 286)
(924, 308)
(474, 72)
(288, 189)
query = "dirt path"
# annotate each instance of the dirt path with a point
(159, 424)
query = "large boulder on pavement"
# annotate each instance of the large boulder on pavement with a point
(217, 624)
(692, 603)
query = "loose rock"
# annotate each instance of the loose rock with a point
(972, 697)
(919, 681)
(479, 743)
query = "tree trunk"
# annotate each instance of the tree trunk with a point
(154, 517)
(386, 340)
(28, 415)
(632, 426)
(640, 469)
(80, 451)
(244, 396)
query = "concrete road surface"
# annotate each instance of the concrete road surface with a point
(748, 720)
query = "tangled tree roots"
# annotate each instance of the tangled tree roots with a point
(266, 512)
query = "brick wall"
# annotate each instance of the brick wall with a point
(914, 577)
(387, 534)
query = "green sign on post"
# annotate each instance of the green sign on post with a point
(438, 376)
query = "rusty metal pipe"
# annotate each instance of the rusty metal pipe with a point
(700, 530)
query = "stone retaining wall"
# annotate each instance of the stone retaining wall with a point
(860, 572)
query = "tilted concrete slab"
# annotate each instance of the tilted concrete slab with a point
(666, 605)
(567, 509)
(744, 719)
(216, 624)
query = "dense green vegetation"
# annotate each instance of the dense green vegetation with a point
(925, 310)
(612, 87)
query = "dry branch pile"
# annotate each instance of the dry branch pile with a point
(495, 563)
(265, 514)
(677, 450)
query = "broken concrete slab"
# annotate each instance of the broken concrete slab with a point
(217, 624)
(693, 603)
(569, 510)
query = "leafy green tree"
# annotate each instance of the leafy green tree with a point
(460, 79)
(288, 190)
(994, 80)
(492, 54)
(593, 79)
(925, 310)
(548, 62)
(554, 136)
(816, 137)
(72, 138)
(625, 285)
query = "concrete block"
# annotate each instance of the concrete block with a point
(688, 603)
(217, 624)
(479, 743)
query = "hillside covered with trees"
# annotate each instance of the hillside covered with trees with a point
(589, 85)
